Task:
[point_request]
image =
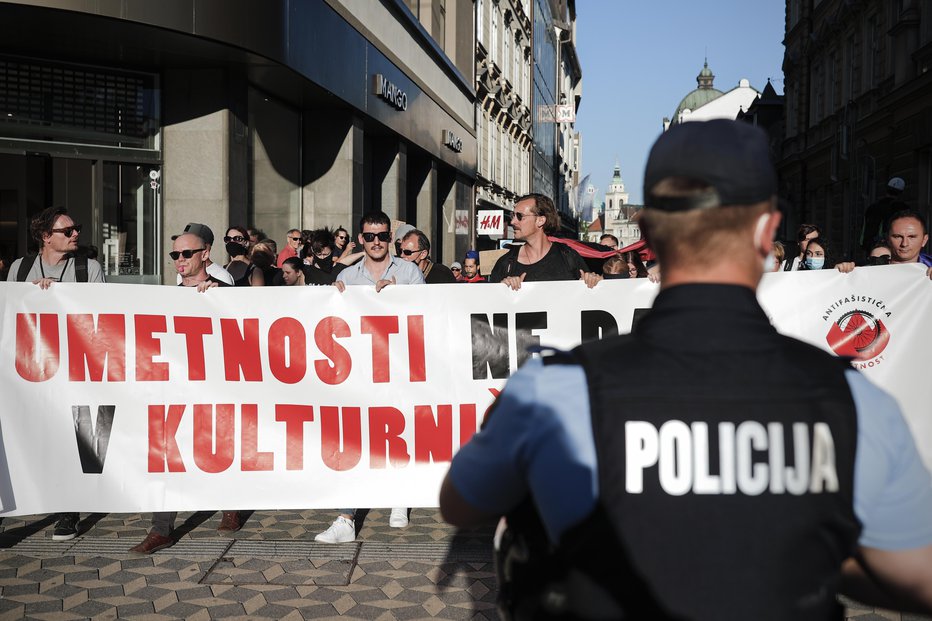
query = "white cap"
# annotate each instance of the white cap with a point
(896, 184)
(456, 265)
(402, 230)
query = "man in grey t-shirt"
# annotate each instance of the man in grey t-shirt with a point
(57, 237)
(57, 261)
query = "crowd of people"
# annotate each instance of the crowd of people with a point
(592, 528)
(382, 257)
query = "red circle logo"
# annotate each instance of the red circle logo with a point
(859, 335)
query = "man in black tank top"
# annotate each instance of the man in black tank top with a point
(716, 478)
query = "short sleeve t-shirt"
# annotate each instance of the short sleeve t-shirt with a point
(63, 272)
(560, 263)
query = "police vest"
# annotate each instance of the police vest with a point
(726, 476)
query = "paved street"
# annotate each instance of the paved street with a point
(271, 569)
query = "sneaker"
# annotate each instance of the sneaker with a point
(152, 543)
(67, 527)
(230, 523)
(341, 531)
(399, 518)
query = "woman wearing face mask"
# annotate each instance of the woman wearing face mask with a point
(319, 252)
(237, 246)
(805, 234)
(817, 256)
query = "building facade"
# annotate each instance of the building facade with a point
(528, 89)
(556, 83)
(503, 106)
(858, 101)
(140, 117)
(569, 142)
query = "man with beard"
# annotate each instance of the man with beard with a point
(471, 268)
(538, 259)
(380, 269)
(57, 261)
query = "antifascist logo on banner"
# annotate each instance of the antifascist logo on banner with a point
(857, 329)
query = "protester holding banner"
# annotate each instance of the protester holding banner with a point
(678, 496)
(56, 235)
(380, 269)
(818, 255)
(189, 254)
(538, 259)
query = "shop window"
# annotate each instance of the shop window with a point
(128, 221)
(60, 102)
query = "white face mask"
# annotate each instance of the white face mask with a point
(770, 259)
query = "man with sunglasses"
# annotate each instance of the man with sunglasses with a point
(207, 236)
(190, 254)
(415, 248)
(293, 241)
(380, 269)
(538, 259)
(58, 260)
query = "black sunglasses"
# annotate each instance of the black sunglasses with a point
(295, 238)
(521, 216)
(383, 236)
(236, 238)
(408, 253)
(883, 259)
(187, 254)
(68, 231)
(341, 236)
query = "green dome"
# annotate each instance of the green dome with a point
(696, 99)
(702, 95)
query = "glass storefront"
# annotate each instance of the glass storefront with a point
(128, 219)
(87, 139)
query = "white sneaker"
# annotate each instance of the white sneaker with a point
(341, 531)
(399, 518)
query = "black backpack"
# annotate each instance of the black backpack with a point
(80, 267)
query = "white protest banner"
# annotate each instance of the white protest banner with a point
(141, 398)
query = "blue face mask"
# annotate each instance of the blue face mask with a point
(815, 263)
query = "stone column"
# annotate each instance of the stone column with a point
(196, 147)
(333, 170)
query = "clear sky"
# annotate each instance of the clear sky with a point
(639, 59)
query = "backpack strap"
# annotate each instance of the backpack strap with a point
(80, 268)
(25, 266)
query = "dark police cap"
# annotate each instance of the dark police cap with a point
(731, 157)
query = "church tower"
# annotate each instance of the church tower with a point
(615, 196)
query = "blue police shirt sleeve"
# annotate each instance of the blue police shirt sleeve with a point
(539, 441)
(892, 487)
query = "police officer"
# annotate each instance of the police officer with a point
(743, 468)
